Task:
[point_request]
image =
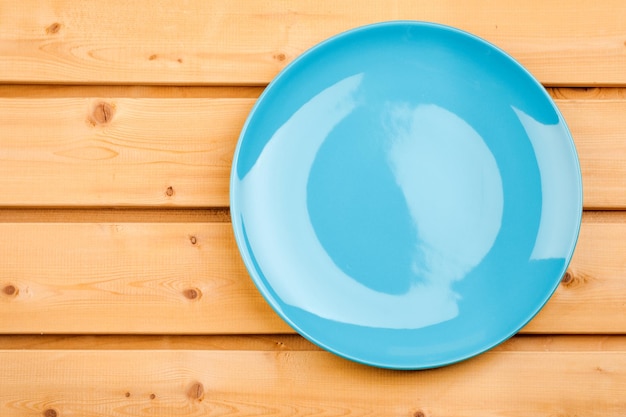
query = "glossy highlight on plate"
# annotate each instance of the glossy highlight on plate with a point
(406, 195)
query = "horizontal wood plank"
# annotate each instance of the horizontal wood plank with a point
(187, 278)
(195, 383)
(118, 152)
(248, 42)
(161, 152)
(127, 278)
(592, 295)
(601, 150)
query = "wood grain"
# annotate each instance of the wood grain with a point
(127, 278)
(591, 295)
(237, 383)
(118, 152)
(160, 152)
(122, 292)
(152, 278)
(248, 42)
(601, 150)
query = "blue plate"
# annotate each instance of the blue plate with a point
(406, 195)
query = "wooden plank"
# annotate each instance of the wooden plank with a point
(194, 383)
(127, 278)
(561, 343)
(601, 150)
(77, 155)
(118, 152)
(152, 278)
(591, 297)
(248, 42)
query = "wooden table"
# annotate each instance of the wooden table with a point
(121, 290)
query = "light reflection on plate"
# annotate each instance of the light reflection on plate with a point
(406, 195)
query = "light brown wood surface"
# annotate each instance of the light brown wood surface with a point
(187, 278)
(122, 292)
(248, 42)
(127, 278)
(118, 152)
(195, 383)
(176, 152)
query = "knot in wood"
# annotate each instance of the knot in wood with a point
(10, 290)
(196, 392)
(192, 293)
(567, 278)
(103, 113)
(53, 28)
(169, 191)
(419, 414)
(50, 412)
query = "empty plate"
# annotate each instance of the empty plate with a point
(406, 195)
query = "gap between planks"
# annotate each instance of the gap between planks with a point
(279, 342)
(129, 91)
(184, 215)
(165, 91)
(114, 215)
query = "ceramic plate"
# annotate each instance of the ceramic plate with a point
(406, 195)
